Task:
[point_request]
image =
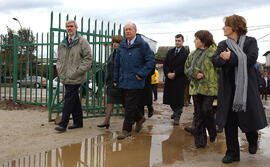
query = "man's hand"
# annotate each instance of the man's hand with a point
(115, 84)
(225, 55)
(199, 76)
(171, 75)
(138, 77)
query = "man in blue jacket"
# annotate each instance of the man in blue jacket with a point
(133, 62)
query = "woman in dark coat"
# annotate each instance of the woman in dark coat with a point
(113, 93)
(147, 99)
(239, 102)
(174, 88)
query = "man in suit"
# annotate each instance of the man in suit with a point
(175, 80)
(265, 85)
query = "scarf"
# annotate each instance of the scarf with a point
(190, 69)
(241, 76)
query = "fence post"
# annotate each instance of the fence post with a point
(15, 68)
(51, 69)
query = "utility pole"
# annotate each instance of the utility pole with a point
(27, 54)
(14, 18)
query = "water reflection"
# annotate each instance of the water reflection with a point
(153, 147)
(173, 148)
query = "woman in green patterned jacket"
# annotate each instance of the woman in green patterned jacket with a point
(203, 86)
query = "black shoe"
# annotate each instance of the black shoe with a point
(155, 99)
(189, 129)
(123, 135)
(219, 130)
(60, 129)
(212, 138)
(200, 146)
(228, 159)
(139, 124)
(104, 125)
(172, 117)
(252, 149)
(175, 122)
(75, 126)
(150, 114)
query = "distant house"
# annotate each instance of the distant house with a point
(162, 52)
(152, 43)
(267, 57)
(266, 66)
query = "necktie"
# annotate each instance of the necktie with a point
(176, 50)
(128, 43)
(70, 40)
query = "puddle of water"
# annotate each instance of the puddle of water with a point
(155, 146)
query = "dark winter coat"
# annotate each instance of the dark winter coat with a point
(112, 91)
(147, 91)
(254, 117)
(110, 63)
(263, 83)
(129, 61)
(174, 89)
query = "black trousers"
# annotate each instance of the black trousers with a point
(177, 111)
(231, 133)
(203, 119)
(264, 93)
(133, 112)
(72, 105)
(154, 89)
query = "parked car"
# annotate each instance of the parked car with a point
(32, 81)
(55, 83)
(91, 86)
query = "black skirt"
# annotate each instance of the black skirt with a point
(114, 96)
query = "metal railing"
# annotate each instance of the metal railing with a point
(21, 62)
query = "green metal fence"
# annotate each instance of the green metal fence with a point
(21, 62)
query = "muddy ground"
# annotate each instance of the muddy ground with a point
(25, 129)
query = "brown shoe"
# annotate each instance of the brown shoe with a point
(123, 135)
(139, 124)
(176, 122)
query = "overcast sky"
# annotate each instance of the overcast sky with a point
(157, 19)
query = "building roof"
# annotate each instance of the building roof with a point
(266, 53)
(163, 50)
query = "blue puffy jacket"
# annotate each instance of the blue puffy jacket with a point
(137, 59)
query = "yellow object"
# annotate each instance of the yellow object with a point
(154, 78)
(215, 102)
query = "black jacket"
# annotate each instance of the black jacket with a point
(110, 63)
(254, 117)
(174, 89)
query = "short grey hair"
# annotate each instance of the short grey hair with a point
(72, 21)
(133, 25)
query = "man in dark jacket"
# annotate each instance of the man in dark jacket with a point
(175, 80)
(265, 85)
(133, 63)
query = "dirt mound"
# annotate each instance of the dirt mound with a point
(10, 105)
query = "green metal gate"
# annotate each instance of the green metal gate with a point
(28, 69)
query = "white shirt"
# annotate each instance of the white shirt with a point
(266, 80)
(132, 41)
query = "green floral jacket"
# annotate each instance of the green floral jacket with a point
(208, 85)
